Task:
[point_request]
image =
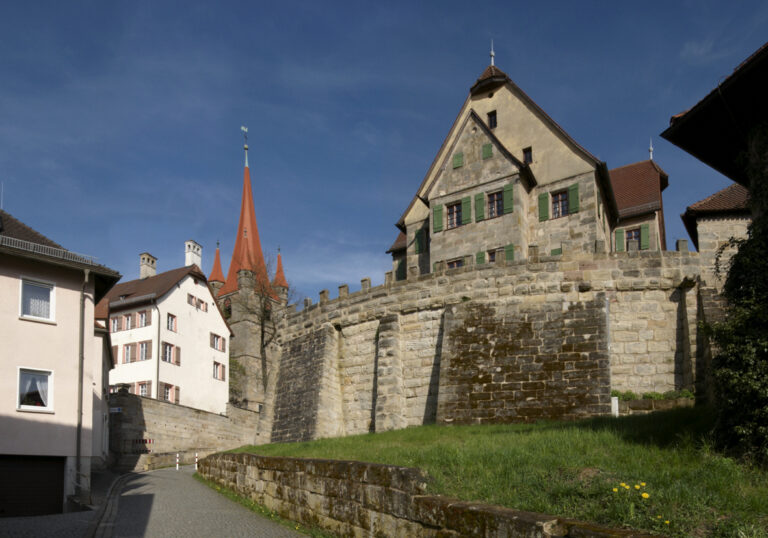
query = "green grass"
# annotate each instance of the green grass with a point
(263, 510)
(570, 470)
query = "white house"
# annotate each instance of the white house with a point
(53, 372)
(169, 338)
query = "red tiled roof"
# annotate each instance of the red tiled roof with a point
(247, 253)
(637, 187)
(280, 281)
(399, 244)
(12, 227)
(732, 198)
(150, 287)
(217, 275)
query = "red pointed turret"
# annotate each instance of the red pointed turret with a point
(247, 253)
(280, 281)
(217, 275)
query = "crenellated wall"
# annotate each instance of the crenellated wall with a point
(508, 341)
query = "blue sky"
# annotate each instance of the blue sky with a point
(120, 122)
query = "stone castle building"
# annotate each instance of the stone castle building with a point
(528, 281)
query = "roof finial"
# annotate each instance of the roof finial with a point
(217, 243)
(245, 135)
(493, 54)
(650, 149)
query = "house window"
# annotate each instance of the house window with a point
(37, 300)
(559, 204)
(171, 325)
(191, 299)
(127, 353)
(167, 393)
(143, 389)
(168, 352)
(128, 321)
(143, 346)
(492, 122)
(491, 256)
(528, 155)
(142, 318)
(453, 264)
(115, 324)
(218, 371)
(454, 215)
(35, 391)
(633, 235)
(495, 204)
(217, 342)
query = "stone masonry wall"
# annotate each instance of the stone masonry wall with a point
(142, 429)
(378, 353)
(521, 362)
(350, 498)
(713, 234)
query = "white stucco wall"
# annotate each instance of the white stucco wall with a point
(194, 376)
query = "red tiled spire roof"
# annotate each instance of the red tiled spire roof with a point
(217, 275)
(247, 253)
(280, 281)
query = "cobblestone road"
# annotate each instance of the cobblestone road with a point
(172, 503)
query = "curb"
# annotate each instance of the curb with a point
(103, 522)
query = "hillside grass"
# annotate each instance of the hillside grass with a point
(571, 470)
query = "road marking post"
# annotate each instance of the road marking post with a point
(177, 461)
(195, 461)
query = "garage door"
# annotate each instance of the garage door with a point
(31, 485)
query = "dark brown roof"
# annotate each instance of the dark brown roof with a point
(12, 227)
(637, 187)
(399, 244)
(135, 292)
(733, 199)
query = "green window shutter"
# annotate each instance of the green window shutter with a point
(437, 218)
(480, 258)
(458, 160)
(644, 239)
(487, 151)
(479, 207)
(509, 252)
(420, 241)
(543, 206)
(417, 242)
(400, 272)
(573, 198)
(508, 198)
(466, 210)
(557, 251)
(620, 240)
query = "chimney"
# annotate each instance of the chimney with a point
(193, 253)
(147, 265)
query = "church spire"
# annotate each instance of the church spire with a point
(247, 253)
(279, 280)
(217, 275)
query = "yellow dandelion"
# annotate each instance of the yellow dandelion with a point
(615, 490)
(622, 484)
(666, 522)
(626, 487)
(642, 484)
(645, 495)
(658, 517)
(637, 487)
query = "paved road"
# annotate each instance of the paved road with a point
(172, 503)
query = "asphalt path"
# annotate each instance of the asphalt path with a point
(168, 503)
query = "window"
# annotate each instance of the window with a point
(128, 321)
(218, 371)
(633, 235)
(143, 389)
(492, 122)
(453, 264)
(37, 300)
(171, 322)
(167, 352)
(191, 299)
(128, 353)
(202, 305)
(495, 204)
(491, 256)
(35, 390)
(218, 343)
(143, 347)
(115, 324)
(167, 393)
(142, 318)
(528, 155)
(559, 204)
(454, 215)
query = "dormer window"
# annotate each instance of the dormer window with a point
(492, 122)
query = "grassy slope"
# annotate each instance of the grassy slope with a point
(570, 469)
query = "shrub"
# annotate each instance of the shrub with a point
(654, 396)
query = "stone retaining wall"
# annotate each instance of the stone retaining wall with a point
(145, 433)
(365, 499)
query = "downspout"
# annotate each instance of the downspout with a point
(157, 355)
(80, 368)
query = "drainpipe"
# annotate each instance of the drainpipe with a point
(157, 355)
(80, 368)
